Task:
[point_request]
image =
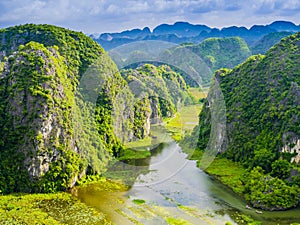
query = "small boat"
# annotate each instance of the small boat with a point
(248, 207)
(258, 212)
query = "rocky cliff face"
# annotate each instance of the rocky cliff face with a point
(35, 106)
(262, 100)
(31, 106)
(292, 146)
(55, 125)
(65, 109)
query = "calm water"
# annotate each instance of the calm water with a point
(173, 186)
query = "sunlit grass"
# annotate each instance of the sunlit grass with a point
(187, 117)
(183, 122)
(198, 93)
(141, 143)
(228, 172)
(134, 154)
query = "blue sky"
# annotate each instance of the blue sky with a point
(98, 16)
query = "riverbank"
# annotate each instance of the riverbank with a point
(264, 196)
(258, 188)
(108, 201)
(229, 173)
(234, 176)
(183, 121)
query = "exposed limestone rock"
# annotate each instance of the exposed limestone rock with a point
(292, 146)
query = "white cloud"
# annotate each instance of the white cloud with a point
(114, 15)
(291, 5)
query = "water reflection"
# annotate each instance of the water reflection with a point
(172, 185)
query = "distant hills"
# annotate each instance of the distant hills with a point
(181, 32)
(264, 44)
(196, 62)
(222, 52)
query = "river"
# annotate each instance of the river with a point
(174, 190)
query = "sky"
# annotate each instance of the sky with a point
(99, 16)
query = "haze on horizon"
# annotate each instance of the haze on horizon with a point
(99, 16)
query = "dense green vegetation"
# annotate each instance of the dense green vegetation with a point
(264, 44)
(199, 61)
(157, 89)
(262, 103)
(34, 99)
(79, 50)
(222, 52)
(65, 110)
(48, 130)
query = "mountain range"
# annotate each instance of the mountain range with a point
(182, 32)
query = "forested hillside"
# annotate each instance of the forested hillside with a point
(264, 44)
(41, 66)
(201, 60)
(262, 98)
(159, 90)
(222, 52)
(65, 109)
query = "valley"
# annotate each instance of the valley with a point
(187, 132)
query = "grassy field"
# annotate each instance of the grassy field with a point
(187, 117)
(198, 93)
(228, 172)
(183, 122)
(134, 154)
(142, 143)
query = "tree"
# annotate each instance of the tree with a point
(263, 158)
(281, 169)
